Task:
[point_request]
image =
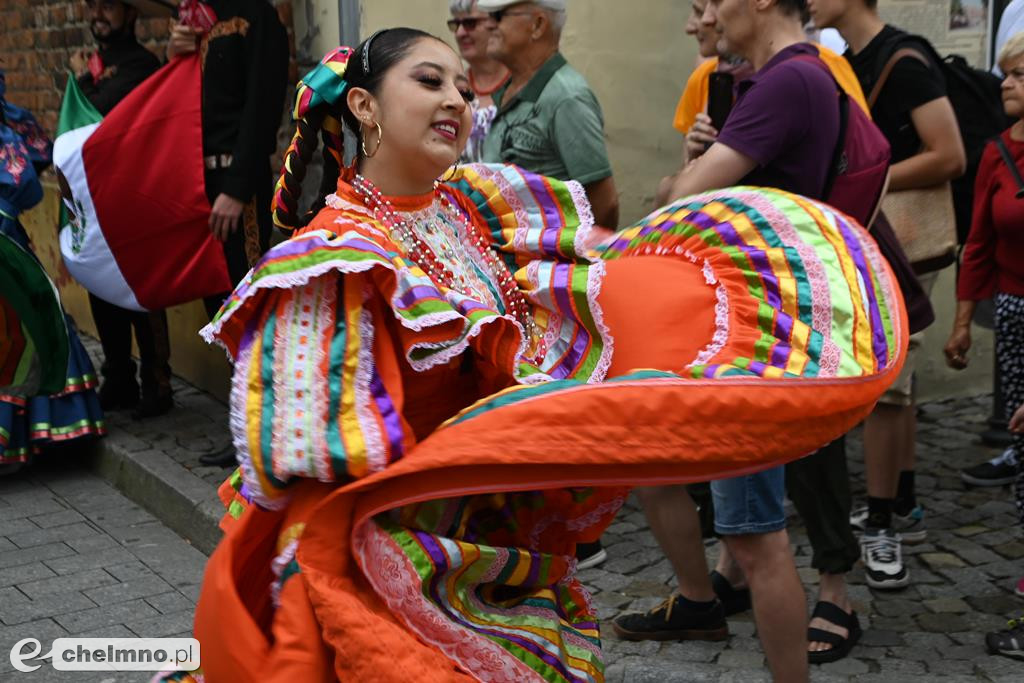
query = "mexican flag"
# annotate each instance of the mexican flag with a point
(137, 230)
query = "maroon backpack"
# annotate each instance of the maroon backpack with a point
(860, 164)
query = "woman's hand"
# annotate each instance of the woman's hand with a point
(701, 136)
(1017, 421)
(957, 347)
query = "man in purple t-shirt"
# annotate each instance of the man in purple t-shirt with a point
(782, 132)
(783, 128)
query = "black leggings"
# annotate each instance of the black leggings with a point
(1010, 363)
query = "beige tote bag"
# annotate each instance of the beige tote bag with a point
(923, 219)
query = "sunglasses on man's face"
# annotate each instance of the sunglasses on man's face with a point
(500, 14)
(469, 23)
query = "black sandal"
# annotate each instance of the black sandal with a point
(841, 647)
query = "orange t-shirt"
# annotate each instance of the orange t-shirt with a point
(695, 96)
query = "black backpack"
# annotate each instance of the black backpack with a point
(977, 102)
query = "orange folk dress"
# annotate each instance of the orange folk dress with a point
(416, 469)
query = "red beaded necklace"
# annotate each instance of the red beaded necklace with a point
(487, 93)
(403, 232)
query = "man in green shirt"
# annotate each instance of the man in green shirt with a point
(548, 120)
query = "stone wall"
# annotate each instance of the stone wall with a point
(38, 37)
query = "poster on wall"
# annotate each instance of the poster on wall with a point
(953, 26)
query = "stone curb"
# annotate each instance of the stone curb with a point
(152, 479)
(151, 461)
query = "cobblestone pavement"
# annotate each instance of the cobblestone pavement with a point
(77, 558)
(962, 581)
(962, 577)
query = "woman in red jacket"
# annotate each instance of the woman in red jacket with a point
(993, 263)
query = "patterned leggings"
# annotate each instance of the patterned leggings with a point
(1010, 360)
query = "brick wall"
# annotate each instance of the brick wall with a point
(37, 38)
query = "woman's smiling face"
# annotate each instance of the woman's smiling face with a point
(423, 108)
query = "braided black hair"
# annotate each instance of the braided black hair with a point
(379, 52)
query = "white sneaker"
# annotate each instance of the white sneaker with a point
(883, 559)
(910, 527)
(590, 555)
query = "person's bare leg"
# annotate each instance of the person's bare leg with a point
(831, 589)
(675, 524)
(779, 602)
(727, 567)
(889, 433)
(907, 456)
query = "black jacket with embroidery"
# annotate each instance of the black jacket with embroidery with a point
(244, 77)
(126, 64)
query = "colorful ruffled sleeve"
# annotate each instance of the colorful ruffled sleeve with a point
(316, 391)
(543, 228)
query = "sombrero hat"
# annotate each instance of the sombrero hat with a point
(153, 8)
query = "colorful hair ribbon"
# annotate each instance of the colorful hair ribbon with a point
(324, 85)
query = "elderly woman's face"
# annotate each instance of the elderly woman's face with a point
(1013, 87)
(471, 33)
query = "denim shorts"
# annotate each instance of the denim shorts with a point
(752, 504)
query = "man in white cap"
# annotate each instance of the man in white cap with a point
(548, 120)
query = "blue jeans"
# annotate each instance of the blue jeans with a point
(751, 504)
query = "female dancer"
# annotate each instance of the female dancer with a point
(28, 422)
(419, 402)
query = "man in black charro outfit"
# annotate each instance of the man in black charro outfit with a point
(245, 72)
(105, 77)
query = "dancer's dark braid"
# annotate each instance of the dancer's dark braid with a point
(293, 172)
(320, 108)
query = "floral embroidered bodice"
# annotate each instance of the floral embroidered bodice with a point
(447, 236)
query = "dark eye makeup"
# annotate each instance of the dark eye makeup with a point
(434, 82)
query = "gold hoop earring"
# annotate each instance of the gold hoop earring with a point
(380, 139)
(453, 172)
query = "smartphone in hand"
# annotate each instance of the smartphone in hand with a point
(720, 97)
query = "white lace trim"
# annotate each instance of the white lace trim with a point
(396, 581)
(595, 278)
(376, 448)
(721, 335)
(238, 423)
(326, 315)
(277, 566)
(574, 523)
(281, 415)
(446, 351)
(341, 204)
(586, 216)
(290, 280)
